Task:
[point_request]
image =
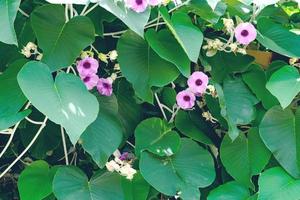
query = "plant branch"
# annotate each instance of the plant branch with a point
(64, 145)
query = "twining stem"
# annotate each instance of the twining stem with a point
(26, 149)
(160, 106)
(84, 9)
(64, 145)
(91, 9)
(23, 13)
(13, 133)
(66, 12)
(33, 121)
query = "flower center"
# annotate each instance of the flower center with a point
(106, 85)
(198, 82)
(87, 79)
(86, 65)
(139, 2)
(245, 33)
(186, 98)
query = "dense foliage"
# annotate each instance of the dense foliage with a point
(149, 99)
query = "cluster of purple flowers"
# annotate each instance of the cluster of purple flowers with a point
(87, 69)
(197, 83)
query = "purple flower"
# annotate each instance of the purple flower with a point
(185, 99)
(104, 87)
(90, 81)
(87, 66)
(124, 156)
(137, 5)
(154, 2)
(245, 33)
(197, 83)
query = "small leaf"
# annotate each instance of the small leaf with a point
(284, 84)
(35, 181)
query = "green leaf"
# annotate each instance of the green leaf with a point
(163, 43)
(237, 104)
(59, 102)
(71, 183)
(8, 13)
(186, 126)
(35, 182)
(256, 80)
(277, 38)
(231, 190)
(156, 136)
(278, 132)
(276, 184)
(142, 66)
(244, 157)
(223, 64)
(60, 41)
(284, 84)
(11, 98)
(203, 9)
(192, 167)
(135, 189)
(186, 33)
(105, 134)
(135, 21)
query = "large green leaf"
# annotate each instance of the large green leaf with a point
(8, 13)
(189, 128)
(35, 181)
(60, 41)
(278, 132)
(204, 10)
(105, 134)
(156, 136)
(284, 84)
(135, 189)
(183, 173)
(276, 184)
(142, 66)
(223, 64)
(71, 183)
(277, 38)
(229, 191)
(256, 80)
(59, 100)
(244, 157)
(188, 35)
(11, 98)
(237, 104)
(163, 43)
(135, 21)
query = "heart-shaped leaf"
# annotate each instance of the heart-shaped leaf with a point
(277, 38)
(59, 100)
(231, 190)
(237, 104)
(142, 66)
(156, 136)
(186, 33)
(8, 13)
(135, 189)
(183, 173)
(284, 84)
(276, 184)
(135, 21)
(163, 43)
(60, 41)
(71, 183)
(279, 132)
(105, 134)
(244, 157)
(35, 182)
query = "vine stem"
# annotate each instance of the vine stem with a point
(160, 106)
(84, 9)
(64, 144)
(90, 10)
(23, 12)
(26, 149)
(13, 133)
